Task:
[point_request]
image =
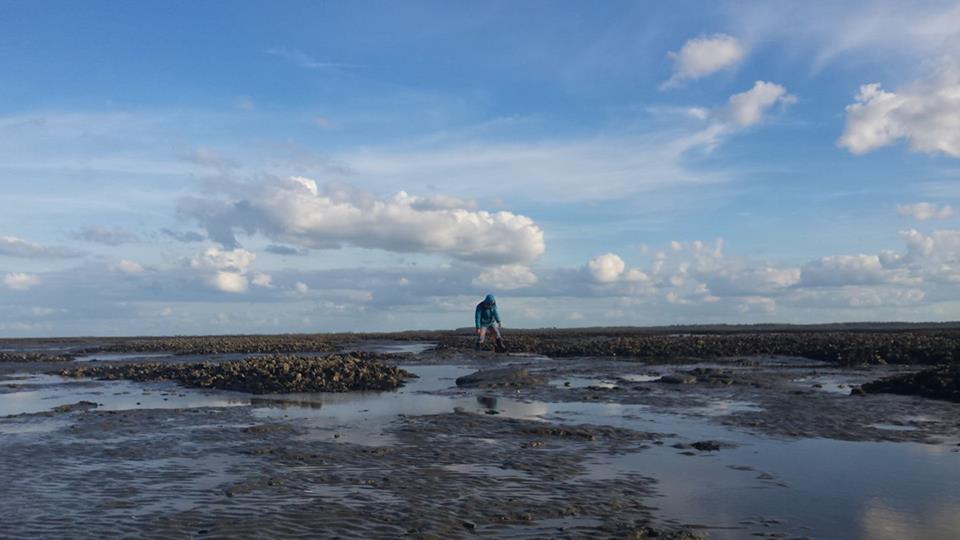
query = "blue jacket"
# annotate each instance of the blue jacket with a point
(486, 313)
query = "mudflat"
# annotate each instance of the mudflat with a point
(601, 433)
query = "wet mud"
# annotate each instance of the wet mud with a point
(477, 445)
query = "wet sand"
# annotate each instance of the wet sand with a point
(589, 448)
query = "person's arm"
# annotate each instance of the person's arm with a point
(476, 317)
(496, 314)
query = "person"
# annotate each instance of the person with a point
(486, 317)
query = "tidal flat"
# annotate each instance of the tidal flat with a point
(601, 433)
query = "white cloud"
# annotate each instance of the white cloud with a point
(740, 280)
(703, 56)
(215, 258)
(506, 277)
(301, 287)
(11, 246)
(296, 211)
(127, 267)
(747, 108)
(935, 256)
(635, 275)
(224, 270)
(875, 296)
(924, 211)
(834, 270)
(606, 268)
(925, 114)
(230, 282)
(262, 280)
(20, 281)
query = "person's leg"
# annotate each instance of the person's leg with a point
(482, 335)
(496, 328)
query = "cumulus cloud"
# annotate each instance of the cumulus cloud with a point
(506, 277)
(296, 211)
(442, 202)
(934, 256)
(925, 114)
(745, 281)
(606, 268)
(301, 287)
(747, 108)
(924, 211)
(230, 282)
(99, 234)
(12, 246)
(224, 270)
(20, 281)
(702, 56)
(834, 270)
(214, 258)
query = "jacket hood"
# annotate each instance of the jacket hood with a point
(490, 299)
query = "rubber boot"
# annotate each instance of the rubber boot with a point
(476, 345)
(501, 347)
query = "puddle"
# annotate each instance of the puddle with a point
(583, 382)
(833, 384)
(641, 378)
(52, 391)
(114, 357)
(817, 488)
(412, 347)
(723, 407)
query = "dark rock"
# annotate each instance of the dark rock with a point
(941, 382)
(503, 377)
(78, 406)
(706, 446)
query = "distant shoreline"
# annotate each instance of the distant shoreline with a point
(590, 330)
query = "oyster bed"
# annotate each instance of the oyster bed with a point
(262, 375)
(942, 382)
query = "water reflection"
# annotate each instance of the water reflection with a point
(42, 393)
(939, 520)
(815, 487)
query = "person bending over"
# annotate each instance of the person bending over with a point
(486, 317)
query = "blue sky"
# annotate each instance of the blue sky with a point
(183, 167)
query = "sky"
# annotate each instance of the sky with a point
(259, 167)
